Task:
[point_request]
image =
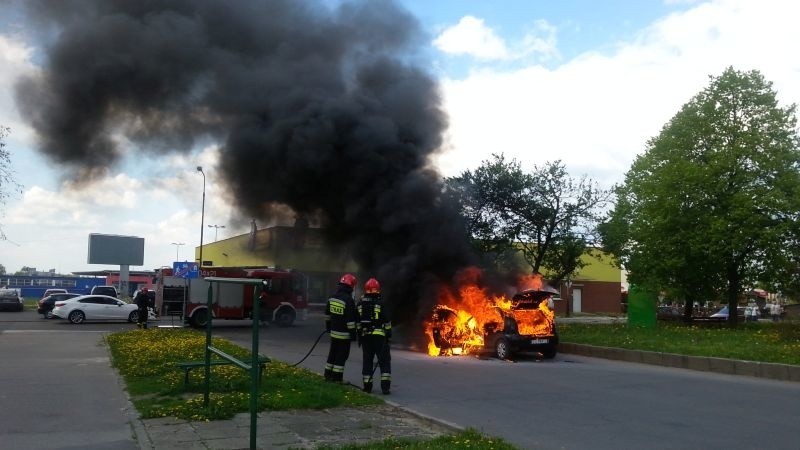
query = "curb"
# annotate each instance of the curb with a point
(773, 371)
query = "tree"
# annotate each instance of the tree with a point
(712, 206)
(558, 220)
(486, 197)
(6, 174)
(547, 216)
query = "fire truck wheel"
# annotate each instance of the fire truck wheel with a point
(501, 348)
(199, 319)
(285, 317)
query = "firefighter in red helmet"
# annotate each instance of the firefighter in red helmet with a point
(374, 331)
(340, 322)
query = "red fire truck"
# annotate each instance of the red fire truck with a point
(286, 295)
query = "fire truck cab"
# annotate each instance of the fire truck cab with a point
(284, 300)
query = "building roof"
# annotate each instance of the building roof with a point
(105, 273)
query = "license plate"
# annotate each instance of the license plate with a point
(539, 341)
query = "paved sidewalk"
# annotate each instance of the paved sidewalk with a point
(298, 429)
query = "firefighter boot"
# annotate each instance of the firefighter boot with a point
(386, 387)
(328, 375)
(367, 387)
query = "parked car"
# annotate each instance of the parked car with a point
(722, 314)
(668, 313)
(50, 292)
(110, 291)
(11, 300)
(46, 305)
(96, 307)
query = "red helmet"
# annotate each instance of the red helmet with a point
(372, 286)
(348, 279)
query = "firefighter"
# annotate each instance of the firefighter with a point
(374, 331)
(143, 302)
(340, 322)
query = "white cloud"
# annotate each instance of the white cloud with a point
(472, 37)
(596, 111)
(15, 61)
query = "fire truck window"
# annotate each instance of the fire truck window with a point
(277, 285)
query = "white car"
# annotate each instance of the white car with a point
(97, 307)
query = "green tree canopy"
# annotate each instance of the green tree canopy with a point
(546, 215)
(712, 205)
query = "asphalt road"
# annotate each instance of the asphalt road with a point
(61, 389)
(571, 402)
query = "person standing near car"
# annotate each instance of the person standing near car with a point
(340, 323)
(142, 300)
(374, 332)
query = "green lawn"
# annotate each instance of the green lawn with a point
(146, 360)
(763, 341)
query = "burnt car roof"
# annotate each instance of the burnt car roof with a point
(542, 292)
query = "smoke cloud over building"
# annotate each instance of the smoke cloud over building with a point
(324, 110)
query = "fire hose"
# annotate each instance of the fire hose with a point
(375, 367)
(311, 349)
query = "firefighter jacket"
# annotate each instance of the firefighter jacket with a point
(341, 315)
(373, 317)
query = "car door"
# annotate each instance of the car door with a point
(116, 309)
(93, 308)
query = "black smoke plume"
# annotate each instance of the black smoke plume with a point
(322, 109)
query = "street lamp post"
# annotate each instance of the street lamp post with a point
(216, 229)
(568, 284)
(202, 218)
(177, 247)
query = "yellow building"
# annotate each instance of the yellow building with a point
(596, 288)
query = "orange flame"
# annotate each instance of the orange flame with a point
(461, 319)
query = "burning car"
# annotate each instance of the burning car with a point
(499, 326)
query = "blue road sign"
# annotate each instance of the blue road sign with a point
(185, 269)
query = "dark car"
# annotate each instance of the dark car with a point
(669, 313)
(110, 291)
(528, 326)
(10, 300)
(525, 324)
(45, 306)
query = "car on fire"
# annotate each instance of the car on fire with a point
(526, 323)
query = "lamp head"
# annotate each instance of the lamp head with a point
(199, 168)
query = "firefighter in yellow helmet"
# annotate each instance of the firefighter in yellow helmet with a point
(340, 322)
(374, 331)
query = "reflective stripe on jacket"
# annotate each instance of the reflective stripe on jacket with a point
(340, 314)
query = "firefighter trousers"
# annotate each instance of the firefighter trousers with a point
(337, 356)
(375, 345)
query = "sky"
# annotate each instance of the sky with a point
(584, 82)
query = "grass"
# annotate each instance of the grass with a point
(466, 439)
(763, 342)
(146, 360)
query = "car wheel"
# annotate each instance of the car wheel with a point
(200, 318)
(133, 316)
(285, 317)
(49, 315)
(77, 317)
(501, 348)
